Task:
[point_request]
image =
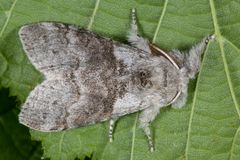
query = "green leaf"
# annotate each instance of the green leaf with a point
(3, 64)
(206, 128)
(15, 142)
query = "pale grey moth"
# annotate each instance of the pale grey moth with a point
(90, 79)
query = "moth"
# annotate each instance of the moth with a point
(91, 79)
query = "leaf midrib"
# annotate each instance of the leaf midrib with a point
(220, 40)
(194, 104)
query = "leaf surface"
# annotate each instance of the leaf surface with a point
(206, 128)
(15, 141)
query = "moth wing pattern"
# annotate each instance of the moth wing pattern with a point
(45, 112)
(72, 60)
(61, 44)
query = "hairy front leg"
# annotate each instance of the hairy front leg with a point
(134, 37)
(145, 118)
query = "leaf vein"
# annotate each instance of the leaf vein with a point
(233, 45)
(61, 142)
(193, 105)
(93, 14)
(8, 18)
(234, 140)
(134, 135)
(220, 41)
(160, 21)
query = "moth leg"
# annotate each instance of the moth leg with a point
(193, 58)
(133, 36)
(182, 99)
(145, 118)
(191, 64)
(111, 128)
